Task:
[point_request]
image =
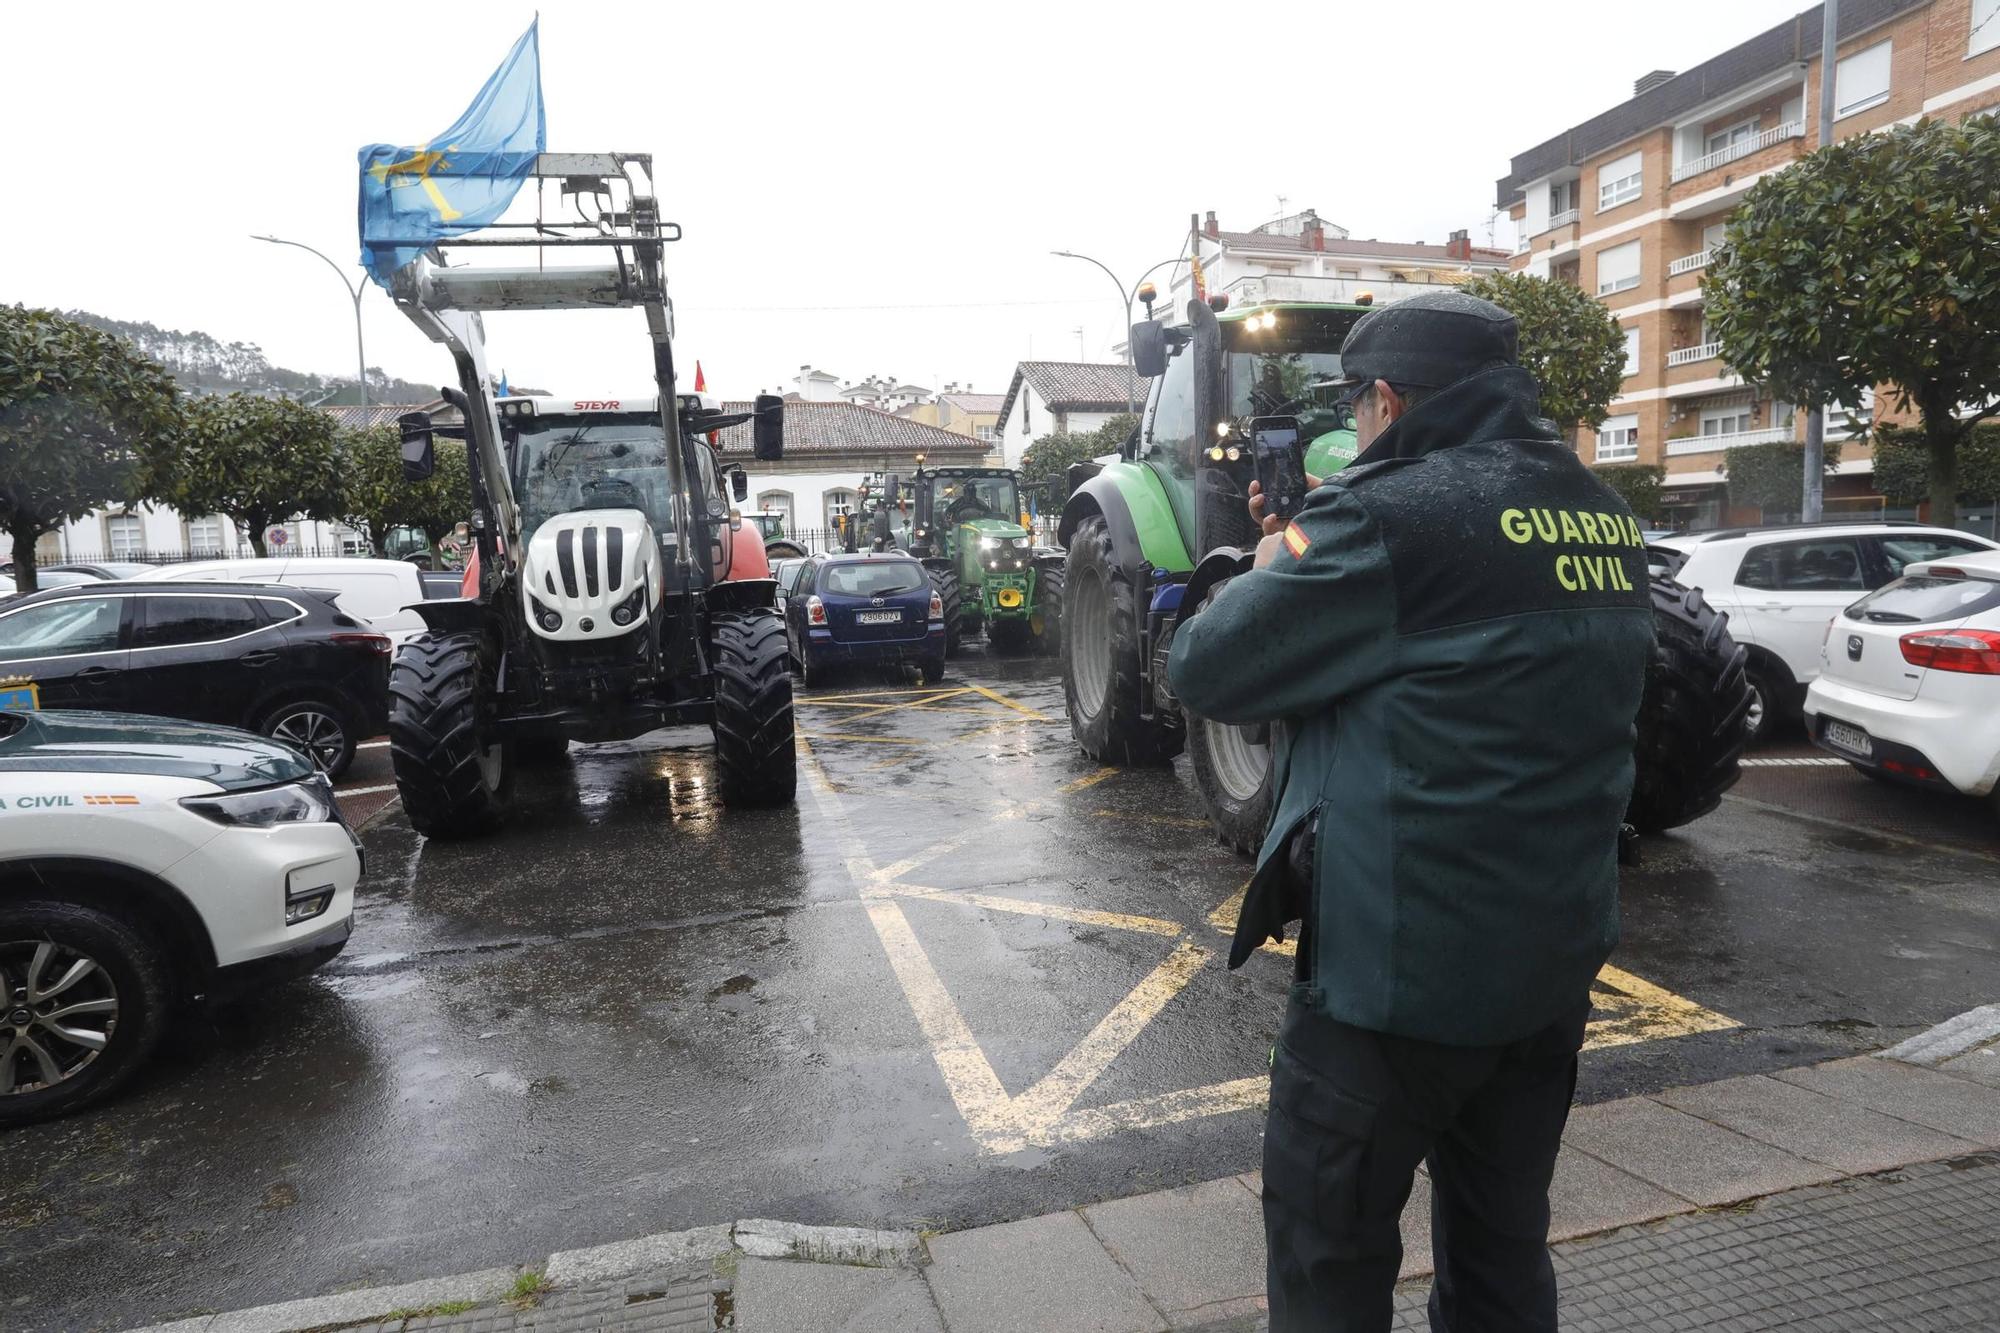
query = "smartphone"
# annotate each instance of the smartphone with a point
(1281, 465)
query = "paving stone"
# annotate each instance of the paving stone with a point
(359, 1306)
(1417, 1229)
(1908, 1092)
(1042, 1273)
(1587, 1195)
(781, 1296)
(1686, 1155)
(1812, 1125)
(1188, 1247)
(1980, 1066)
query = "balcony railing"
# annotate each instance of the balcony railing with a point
(1791, 129)
(1708, 444)
(1564, 218)
(1698, 352)
(1689, 263)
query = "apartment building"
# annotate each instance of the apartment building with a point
(1630, 205)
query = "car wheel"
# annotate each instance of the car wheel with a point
(811, 675)
(1761, 721)
(318, 728)
(83, 1001)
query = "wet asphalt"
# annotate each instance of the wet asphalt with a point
(632, 1011)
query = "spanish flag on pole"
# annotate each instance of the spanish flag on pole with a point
(700, 381)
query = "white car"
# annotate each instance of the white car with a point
(1780, 586)
(379, 592)
(145, 862)
(1909, 682)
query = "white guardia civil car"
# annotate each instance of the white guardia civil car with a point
(1909, 681)
(145, 862)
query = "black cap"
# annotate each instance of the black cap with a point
(1428, 341)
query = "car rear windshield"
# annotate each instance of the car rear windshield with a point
(873, 578)
(1926, 600)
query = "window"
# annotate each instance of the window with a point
(205, 535)
(1562, 197)
(873, 578)
(1729, 138)
(1712, 234)
(1618, 268)
(1861, 80)
(984, 434)
(1631, 352)
(1618, 182)
(1726, 420)
(61, 629)
(1829, 565)
(839, 504)
(1351, 273)
(1927, 600)
(1618, 439)
(1985, 27)
(169, 622)
(1901, 550)
(124, 536)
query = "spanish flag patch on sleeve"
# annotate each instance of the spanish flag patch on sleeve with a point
(1296, 541)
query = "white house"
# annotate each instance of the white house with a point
(830, 448)
(1054, 397)
(1303, 257)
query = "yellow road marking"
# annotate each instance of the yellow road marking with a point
(1082, 916)
(1087, 780)
(850, 736)
(1637, 1010)
(1224, 919)
(999, 698)
(1095, 1122)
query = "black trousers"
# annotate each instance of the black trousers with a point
(1352, 1114)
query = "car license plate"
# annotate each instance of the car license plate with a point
(877, 617)
(1852, 739)
(20, 696)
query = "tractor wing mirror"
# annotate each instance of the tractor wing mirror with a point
(1149, 348)
(419, 450)
(739, 484)
(768, 429)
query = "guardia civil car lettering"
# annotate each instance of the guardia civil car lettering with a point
(228, 867)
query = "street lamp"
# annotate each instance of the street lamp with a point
(1125, 299)
(353, 290)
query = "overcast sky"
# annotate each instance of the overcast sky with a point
(873, 188)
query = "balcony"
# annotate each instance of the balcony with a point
(1689, 263)
(1708, 444)
(1564, 218)
(1699, 352)
(1742, 148)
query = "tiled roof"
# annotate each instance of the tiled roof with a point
(850, 428)
(975, 403)
(1083, 386)
(378, 414)
(1410, 250)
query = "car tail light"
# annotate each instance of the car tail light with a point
(937, 607)
(815, 611)
(374, 643)
(1976, 651)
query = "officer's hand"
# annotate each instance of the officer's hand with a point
(1273, 524)
(1267, 548)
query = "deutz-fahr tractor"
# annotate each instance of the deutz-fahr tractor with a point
(1153, 537)
(966, 528)
(614, 593)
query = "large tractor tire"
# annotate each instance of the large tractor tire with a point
(1232, 771)
(945, 583)
(783, 548)
(454, 776)
(1691, 722)
(1100, 652)
(1048, 608)
(755, 755)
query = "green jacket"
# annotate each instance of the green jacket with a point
(1456, 630)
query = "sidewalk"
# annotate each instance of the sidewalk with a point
(1862, 1193)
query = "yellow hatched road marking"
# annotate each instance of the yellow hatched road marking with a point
(1087, 780)
(1082, 916)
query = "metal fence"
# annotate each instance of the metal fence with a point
(181, 556)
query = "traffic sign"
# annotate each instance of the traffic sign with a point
(276, 536)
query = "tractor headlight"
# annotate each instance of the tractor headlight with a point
(988, 543)
(628, 610)
(308, 802)
(1020, 543)
(547, 618)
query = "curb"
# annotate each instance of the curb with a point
(1954, 1036)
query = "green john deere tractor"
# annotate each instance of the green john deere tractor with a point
(1153, 538)
(966, 527)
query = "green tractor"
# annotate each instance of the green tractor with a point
(1153, 537)
(966, 526)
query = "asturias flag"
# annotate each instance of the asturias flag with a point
(463, 179)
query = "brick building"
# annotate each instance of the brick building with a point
(1630, 203)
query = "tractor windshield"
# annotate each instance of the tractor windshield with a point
(963, 499)
(565, 463)
(1286, 367)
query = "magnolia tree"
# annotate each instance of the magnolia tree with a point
(257, 460)
(1874, 262)
(1571, 343)
(84, 420)
(376, 498)
(1046, 462)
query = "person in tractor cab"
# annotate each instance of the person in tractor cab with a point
(1455, 629)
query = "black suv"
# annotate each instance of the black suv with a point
(279, 660)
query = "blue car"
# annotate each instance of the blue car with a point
(864, 608)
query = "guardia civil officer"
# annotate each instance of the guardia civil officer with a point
(1456, 629)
